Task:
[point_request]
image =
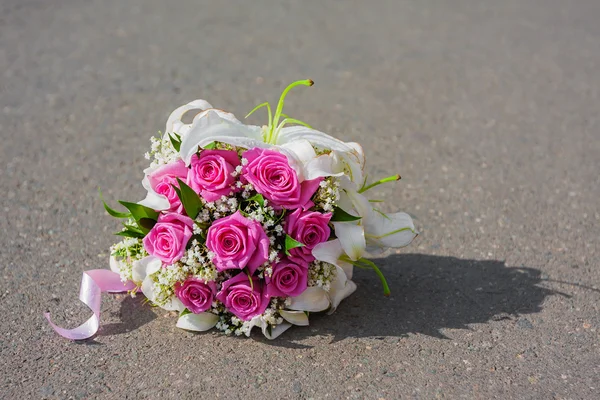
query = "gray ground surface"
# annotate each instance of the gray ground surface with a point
(488, 109)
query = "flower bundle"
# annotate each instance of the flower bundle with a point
(247, 226)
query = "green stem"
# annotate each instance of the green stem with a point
(279, 109)
(379, 182)
(386, 288)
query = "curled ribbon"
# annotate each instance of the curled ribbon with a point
(93, 284)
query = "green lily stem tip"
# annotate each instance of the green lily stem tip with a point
(272, 137)
(392, 178)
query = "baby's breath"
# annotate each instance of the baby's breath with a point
(126, 252)
(321, 274)
(328, 194)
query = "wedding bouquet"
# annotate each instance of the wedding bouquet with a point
(245, 226)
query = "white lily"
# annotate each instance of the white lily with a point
(313, 299)
(197, 322)
(374, 228)
(213, 126)
(341, 288)
(140, 274)
(295, 317)
(174, 123)
(276, 331)
(331, 252)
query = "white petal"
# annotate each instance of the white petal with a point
(197, 322)
(220, 130)
(361, 203)
(313, 299)
(352, 239)
(340, 289)
(302, 149)
(153, 200)
(295, 317)
(316, 138)
(275, 332)
(392, 230)
(329, 251)
(220, 113)
(144, 267)
(173, 305)
(256, 321)
(114, 265)
(176, 115)
(148, 289)
(321, 166)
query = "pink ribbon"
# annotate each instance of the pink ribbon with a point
(93, 284)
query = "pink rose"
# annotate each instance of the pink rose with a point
(288, 279)
(169, 237)
(309, 228)
(243, 299)
(196, 294)
(210, 173)
(272, 176)
(237, 242)
(162, 181)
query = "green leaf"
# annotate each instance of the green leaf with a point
(175, 141)
(185, 312)
(340, 215)
(112, 212)
(291, 243)
(139, 211)
(129, 233)
(258, 198)
(210, 146)
(189, 198)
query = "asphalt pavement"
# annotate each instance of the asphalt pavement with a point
(488, 109)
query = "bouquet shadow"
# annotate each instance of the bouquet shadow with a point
(429, 293)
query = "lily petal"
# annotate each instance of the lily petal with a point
(295, 317)
(144, 267)
(330, 252)
(220, 130)
(148, 289)
(316, 138)
(321, 166)
(176, 115)
(340, 289)
(153, 200)
(391, 230)
(313, 299)
(197, 322)
(275, 332)
(352, 238)
(302, 149)
(114, 265)
(173, 305)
